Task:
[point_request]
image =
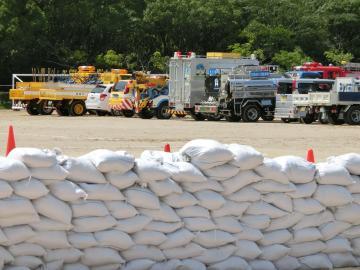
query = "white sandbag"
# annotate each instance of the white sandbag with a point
(270, 169)
(143, 252)
(303, 190)
(165, 213)
(221, 172)
(149, 238)
(228, 224)
(15, 206)
(31, 262)
(141, 197)
(50, 240)
(356, 246)
(356, 198)
(274, 252)
(180, 200)
(231, 263)
(178, 238)
(122, 180)
(102, 192)
(17, 234)
(307, 248)
(197, 186)
(307, 206)
(355, 186)
(27, 249)
(297, 169)
(332, 229)
(306, 235)
(276, 237)
(353, 232)
(249, 234)
(164, 187)
(161, 156)
(93, 224)
(333, 174)
(114, 239)
(247, 249)
(5, 189)
(285, 222)
(75, 266)
(5, 255)
(164, 227)
(2, 237)
(199, 224)
(287, 263)
(193, 211)
(34, 157)
(19, 220)
(140, 264)
(215, 238)
(318, 261)
(82, 240)
(55, 265)
(16, 268)
(246, 195)
(82, 170)
(349, 213)
(209, 199)
(30, 188)
(170, 264)
(134, 224)
(343, 260)
(242, 179)
(100, 256)
(114, 266)
(337, 245)
(351, 162)
(13, 170)
(332, 195)
(230, 208)
(245, 157)
(149, 171)
(54, 173)
(260, 222)
(314, 220)
(185, 172)
(189, 251)
(206, 154)
(67, 255)
(190, 264)
(266, 186)
(263, 208)
(214, 255)
(67, 191)
(120, 209)
(261, 265)
(280, 200)
(89, 208)
(109, 161)
(53, 208)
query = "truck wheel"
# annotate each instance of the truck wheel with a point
(267, 118)
(233, 118)
(32, 108)
(146, 114)
(115, 112)
(251, 113)
(352, 116)
(128, 113)
(322, 120)
(334, 119)
(77, 108)
(101, 113)
(163, 111)
(214, 118)
(44, 108)
(62, 108)
(198, 116)
(308, 119)
(286, 120)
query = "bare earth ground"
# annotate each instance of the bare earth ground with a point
(78, 135)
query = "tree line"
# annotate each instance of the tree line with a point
(143, 34)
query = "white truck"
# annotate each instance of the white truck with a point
(193, 79)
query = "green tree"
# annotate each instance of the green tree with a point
(159, 63)
(286, 60)
(110, 59)
(338, 57)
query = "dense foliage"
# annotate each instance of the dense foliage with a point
(141, 34)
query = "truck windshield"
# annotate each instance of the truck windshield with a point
(120, 86)
(284, 88)
(305, 88)
(98, 89)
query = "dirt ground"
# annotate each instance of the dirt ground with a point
(76, 136)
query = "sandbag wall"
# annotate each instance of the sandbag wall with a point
(209, 206)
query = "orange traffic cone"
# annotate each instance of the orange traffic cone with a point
(167, 148)
(11, 140)
(310, 156)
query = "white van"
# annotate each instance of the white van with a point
(98, 99)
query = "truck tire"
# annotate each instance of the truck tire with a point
(146, 114)
(128, 113)
(352, 116)
(198, 116)
(321, 120)
(214, 118)
(44, 108)
(32, 108)
(334, 119)
(77, 108)
(62, 108)
(162, 111)
(115, 112)
(308, 119)
(267, 118)
(251, 113)
(286, 120)
(101, 113)
(233, 118)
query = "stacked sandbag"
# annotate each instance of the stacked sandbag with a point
(208, 206)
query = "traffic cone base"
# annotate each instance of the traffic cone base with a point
(11, 140)
(310, 156)
(167, 148)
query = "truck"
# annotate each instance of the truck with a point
(292, 99)
(339, 105)
(331, 72)
(194, 79)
